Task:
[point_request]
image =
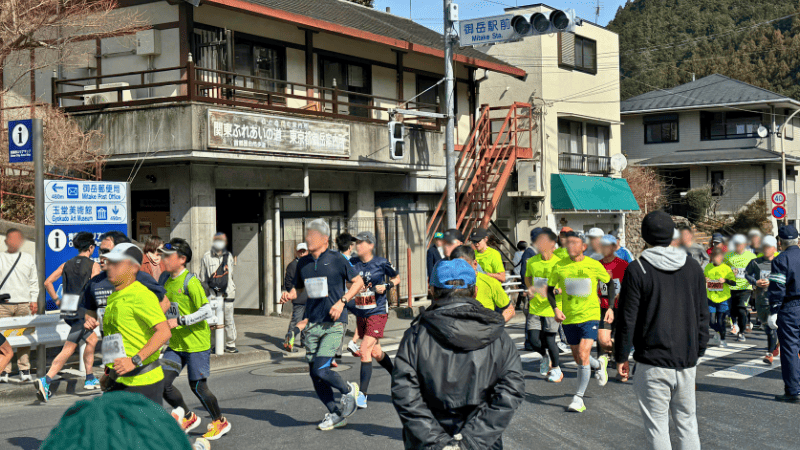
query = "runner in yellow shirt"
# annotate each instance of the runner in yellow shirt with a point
(135, 328)
(541, 326)
(576, 279)
(490, 292)
(719, 279)
(488, 258)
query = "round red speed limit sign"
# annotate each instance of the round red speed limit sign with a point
(779, 198)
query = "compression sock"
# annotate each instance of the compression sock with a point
(46, 378)
(322, 368)
(206, 397)
(324, 392)
(386, 363)
(584, 374)
(296, 331)
(366, 375)
(89, 376)
(594, 363)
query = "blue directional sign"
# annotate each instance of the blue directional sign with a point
(74, 206)
(20, 141)
(487, 30)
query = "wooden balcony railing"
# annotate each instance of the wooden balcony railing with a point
(199, 84)
(577, 162)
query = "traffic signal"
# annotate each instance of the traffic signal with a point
(545, 22)
(397, 144)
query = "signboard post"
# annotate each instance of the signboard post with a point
(74, 206)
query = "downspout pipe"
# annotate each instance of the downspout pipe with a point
(278, 269)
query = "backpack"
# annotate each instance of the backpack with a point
(162, 280)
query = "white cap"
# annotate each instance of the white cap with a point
(595, 233)
(770, 241)
(738, 239)
(123, 252)
(753, 232)
(301, 246)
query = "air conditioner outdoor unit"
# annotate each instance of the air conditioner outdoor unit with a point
(503, 224)
(106, 97)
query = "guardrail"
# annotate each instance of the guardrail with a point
(513, 284)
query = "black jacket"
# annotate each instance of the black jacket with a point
(432, 258)
(663, 313)
(288, 283)
(456, 371)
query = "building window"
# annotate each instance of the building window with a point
(570, 136)
(597, 140)
(427, 92)
(717, 183)
(729, 125)
(261, 65)
(660, 129)
(577, 52)
(350, 76)
(788, 131)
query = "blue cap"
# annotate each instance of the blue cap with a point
(717, 237)
(787, 232)
(535, 233)
(438, 235)
(608, 240)
(457, 269)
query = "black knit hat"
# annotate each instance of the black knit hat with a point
(657, 229)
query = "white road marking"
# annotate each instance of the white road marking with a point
(718, 352)
(746, 369)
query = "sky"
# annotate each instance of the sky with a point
(429, 12)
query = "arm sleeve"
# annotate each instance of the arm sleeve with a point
(777, 283)
(625, 320)
(752, 273)
(204, 313)
(297, 277)
(33, 282)
(485, 427)
(417, 418)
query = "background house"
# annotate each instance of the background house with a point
(707, 133)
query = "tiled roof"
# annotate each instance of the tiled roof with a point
(711, 156)
(708, 91)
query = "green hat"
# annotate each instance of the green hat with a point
(438, 235)
(119, 421)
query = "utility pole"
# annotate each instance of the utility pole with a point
(449, 83)
(37, 135)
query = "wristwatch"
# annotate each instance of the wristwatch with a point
(343, 300)
(137, 360)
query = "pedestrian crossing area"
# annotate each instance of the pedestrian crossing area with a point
(741, 371)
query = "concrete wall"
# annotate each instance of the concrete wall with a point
(744, 183)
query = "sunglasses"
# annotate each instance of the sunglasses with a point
(103, 251)
(169, 246)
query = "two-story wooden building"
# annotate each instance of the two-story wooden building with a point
(250, 116)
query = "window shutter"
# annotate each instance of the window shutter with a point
(566, 49)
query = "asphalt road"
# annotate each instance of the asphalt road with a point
(270, 407)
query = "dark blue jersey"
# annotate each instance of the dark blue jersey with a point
(325, 281)
(99, 288)
(377, 271)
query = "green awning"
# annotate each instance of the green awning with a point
(589, 193)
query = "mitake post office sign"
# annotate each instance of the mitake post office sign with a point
(233, 130)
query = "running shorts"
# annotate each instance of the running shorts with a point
(546, 324)
(323, 340)
(372, 325)
(198, 364)
(577, 332)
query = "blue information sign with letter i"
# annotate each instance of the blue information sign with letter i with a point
(20, 141)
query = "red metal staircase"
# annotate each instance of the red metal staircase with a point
(501, 135)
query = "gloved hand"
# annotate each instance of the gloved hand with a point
(772, 321)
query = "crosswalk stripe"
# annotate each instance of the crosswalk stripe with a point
(718, 352)
(746, 369)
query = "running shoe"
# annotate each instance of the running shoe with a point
(91, 385)
(231, 350)
(334, 364)
(217, 429)
(723, 343)
(201, 444)
(788, 398)
(715, 340)
(42, 389)
(777, 351)
(741, 338)
(544, 366)
(361, 401)
(348, 401)
(288, 342)
(353, 348)
(562, 347)
(602, 372)
(4, 377)
(331, 421)
(187, 424)
(576, 405)
(768, 359)
(25, 376)
(556, 375)
(735, 329)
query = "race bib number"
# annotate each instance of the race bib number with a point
(317, 287)
(765, 274)
(715, 286)
(604, 287)
(739, 273)
(69, 303)
(578, 287)
(113, 348)
(366, 300)
(173, 312)
(540, 283)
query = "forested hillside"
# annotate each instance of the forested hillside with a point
(662, 42)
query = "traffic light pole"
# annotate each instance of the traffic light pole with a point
(449, 83)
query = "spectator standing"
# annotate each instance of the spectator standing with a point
(456, 339)
(693, 249)
(517, 259)
(452, 238)
(663, 313)
(152, 264)
(623, 253)
(21, 284)
(298, 304)
(435, 253)
(216, 274)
